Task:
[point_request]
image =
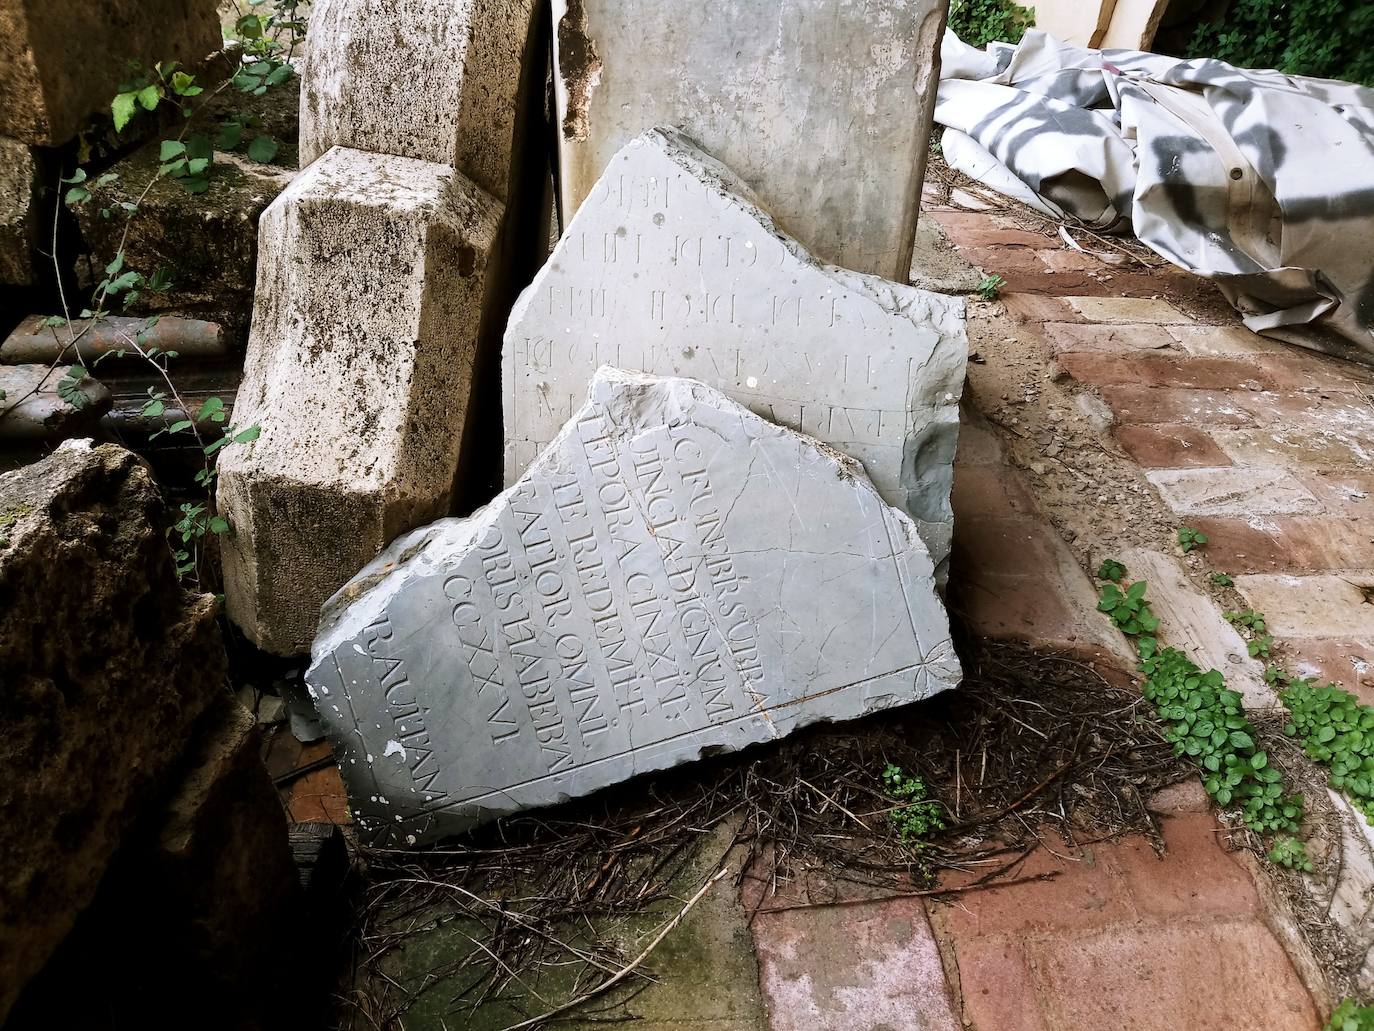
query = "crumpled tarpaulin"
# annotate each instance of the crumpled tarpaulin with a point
(1260, 181)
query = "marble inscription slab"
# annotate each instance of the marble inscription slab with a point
(671, 267)
(673, 577)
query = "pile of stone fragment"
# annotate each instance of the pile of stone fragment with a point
(727, 463)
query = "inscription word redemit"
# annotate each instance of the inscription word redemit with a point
(671, 268)
(673, 576)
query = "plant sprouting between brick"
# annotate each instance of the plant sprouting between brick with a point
(1206, 722)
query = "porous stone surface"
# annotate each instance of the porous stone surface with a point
(31, 408)
(60, 62)
(673, 577)
(370, 294)
(436, 80)
(823, 107)
(18, 212)
(107, 665)
(671, 267)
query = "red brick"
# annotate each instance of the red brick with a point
(1339, 411)
(1296, 369)
(319, 796)
(1005, 261)
(978, 445)
(1101, 336)
(1187, 796)
(1217, 976)
(1062, 259)
(1158, 370)
(1085, 893)
(1346, 661)
(976, 229)
(1017, 608)
(1194, 876)
(1285, 544)
(1165, 446)
(989, 490)
(1052, 284)
(1038, 308)
(1189, 407)
(1007, 545)
(1348, 492)
(869, 964)
(996, 985)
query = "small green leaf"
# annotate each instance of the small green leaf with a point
(263, 149)
(148, 97)
(122, 108)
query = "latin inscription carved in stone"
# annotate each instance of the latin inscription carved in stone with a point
(674, 574)
(670, 268)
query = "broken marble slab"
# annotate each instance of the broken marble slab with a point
(674, 577)
(672, 267)
(824, 107)
(372, 289)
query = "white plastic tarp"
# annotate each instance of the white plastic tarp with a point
(1260, 181)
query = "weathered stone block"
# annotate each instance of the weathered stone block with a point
(18, 212)
(824, 108)
(370, 295)
(673, 577)
(107, 665)
(60, 62)
(201, 902)
(671, 267)
(436, 80)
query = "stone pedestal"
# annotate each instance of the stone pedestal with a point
(822, 107)
(372, 280)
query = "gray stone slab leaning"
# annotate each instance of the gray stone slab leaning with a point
(674, 577)
(823, 107)
(671, 267)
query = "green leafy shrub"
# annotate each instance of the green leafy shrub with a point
(1351, 1017)
(1111, 569)
(980, 22)
(1207, 723)
(1328, 39)
(921, 815)
(990, 286)
(1337, 731)
(1188, 538)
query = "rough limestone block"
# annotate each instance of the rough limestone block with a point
(673, 577)
(371, 274)
(671, 267)
(18, 213)
(823, 106)
(61, 60)
(105, 666)
(436, 80)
